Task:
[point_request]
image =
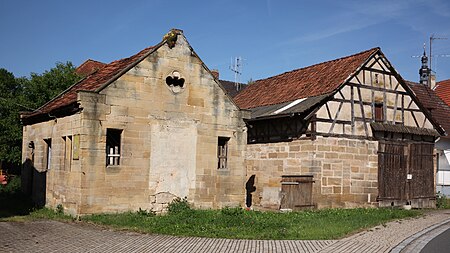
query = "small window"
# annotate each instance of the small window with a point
(67, 152)
(379, 113)
(222, 152)
(113, 146)
(48, 153)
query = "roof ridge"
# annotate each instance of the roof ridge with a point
(321, 63)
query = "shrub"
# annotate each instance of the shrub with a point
(59, 209)
(178, 205)
(144, 212)
(441, 201)
(12, 187)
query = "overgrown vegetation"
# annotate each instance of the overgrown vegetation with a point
(12, 201)
(442, 202)
(239, 223)
(229, 222)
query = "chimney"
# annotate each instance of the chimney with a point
(432, 81)
(215, 73)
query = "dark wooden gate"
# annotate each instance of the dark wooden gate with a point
(392, 171)
(421, 170)
(405, 172)
(296, 192)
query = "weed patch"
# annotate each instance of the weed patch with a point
(241, 224)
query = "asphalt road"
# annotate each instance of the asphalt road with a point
(440, 244)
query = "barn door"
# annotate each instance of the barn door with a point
(392, 171)
(421, 170)
(405, 171)
(296, 192)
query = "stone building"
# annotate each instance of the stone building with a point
(343, 133)
(140, 131)
(136, 133)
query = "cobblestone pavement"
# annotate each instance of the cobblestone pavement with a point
(52, 236)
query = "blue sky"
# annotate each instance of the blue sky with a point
(272, 37)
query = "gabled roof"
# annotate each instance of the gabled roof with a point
(66, 103)
(92, 82)
(439, 110)
(443, 90)
(310, 81)
(231, 89)
(88, 67)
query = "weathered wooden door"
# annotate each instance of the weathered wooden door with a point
(392, 171)
(296, 192)
(405, 171)
(421, 170)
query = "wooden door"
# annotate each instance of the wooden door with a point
(421, 169)
(405, 171)
(296, 192)
(392, 171)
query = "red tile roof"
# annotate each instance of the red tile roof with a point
(88, 67)
(443, 90)
(91, 82)
(310, 81)
(440, 111)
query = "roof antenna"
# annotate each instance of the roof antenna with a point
(236, 67)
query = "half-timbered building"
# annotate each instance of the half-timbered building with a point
(343, 133)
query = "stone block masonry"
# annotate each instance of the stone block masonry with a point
(344, 171)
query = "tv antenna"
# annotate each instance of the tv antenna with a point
(432, 38)
(431, 56)
(236, 67)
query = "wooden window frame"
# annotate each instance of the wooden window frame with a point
(379, 112)
(222, 152)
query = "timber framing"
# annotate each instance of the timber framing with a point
(350, 109)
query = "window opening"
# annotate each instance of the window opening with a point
(222, 152)
(113, 146)
(48, 153)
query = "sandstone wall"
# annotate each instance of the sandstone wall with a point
(345, 170)
(169, 138)
(61, 183)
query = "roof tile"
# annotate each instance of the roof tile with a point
(443, 90)
(310, 81)
(90, 83)
(440, 111)
(88, 67)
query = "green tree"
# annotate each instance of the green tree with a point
(27, 94)
(40, 88)
(10, 128)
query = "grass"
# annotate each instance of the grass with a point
(240, 224)
(235, 223)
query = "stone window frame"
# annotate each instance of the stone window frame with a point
(175, 89)
(68, 152)
(113, 146)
